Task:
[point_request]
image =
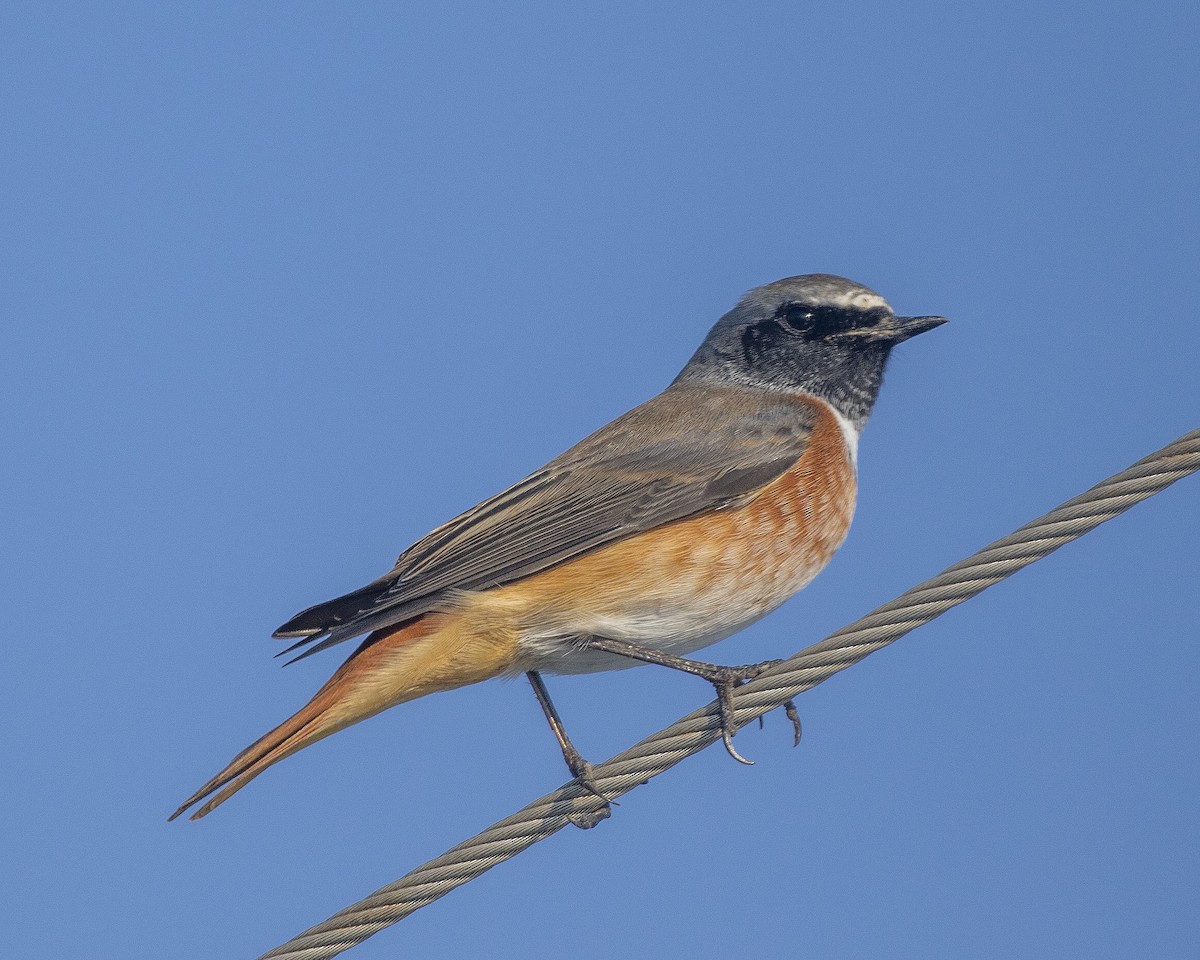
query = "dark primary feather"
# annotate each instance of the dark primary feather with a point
(692, 449)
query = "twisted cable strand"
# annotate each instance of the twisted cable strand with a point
(699, 729)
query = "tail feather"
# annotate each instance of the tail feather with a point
(347, 697)
(309, 725)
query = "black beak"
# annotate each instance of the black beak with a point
(903, 328)
(893, 329)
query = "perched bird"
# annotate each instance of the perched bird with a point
(676, 525)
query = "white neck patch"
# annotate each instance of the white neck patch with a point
(849, 434)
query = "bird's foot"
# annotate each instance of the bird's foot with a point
(583, 772)
(728, 679)
(724, 679)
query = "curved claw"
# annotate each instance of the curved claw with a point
(793, 714)
(725, 687)
(585, 821)
(727, 738)
(583, 776)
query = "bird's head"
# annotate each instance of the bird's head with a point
(816, 334)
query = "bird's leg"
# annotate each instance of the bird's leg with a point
(725, 679)
(580, 769)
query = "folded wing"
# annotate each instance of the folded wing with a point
(692, 449)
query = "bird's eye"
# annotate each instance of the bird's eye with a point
(804, 318)
(796, 317)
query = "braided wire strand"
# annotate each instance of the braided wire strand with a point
(699, 729)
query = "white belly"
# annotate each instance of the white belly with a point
(558, 654)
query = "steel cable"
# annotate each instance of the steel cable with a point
(661, 751)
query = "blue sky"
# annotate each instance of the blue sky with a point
(289, 284)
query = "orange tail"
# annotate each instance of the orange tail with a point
(353, 693)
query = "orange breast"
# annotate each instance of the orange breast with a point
(691, 582)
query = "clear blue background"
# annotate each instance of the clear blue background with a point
(287, 284)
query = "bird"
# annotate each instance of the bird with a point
(676, 525)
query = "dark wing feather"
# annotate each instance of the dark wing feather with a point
(690, 450)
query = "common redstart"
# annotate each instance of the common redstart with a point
(676, 525)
